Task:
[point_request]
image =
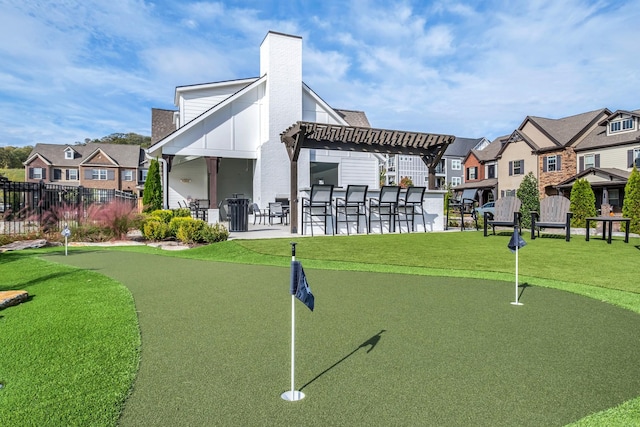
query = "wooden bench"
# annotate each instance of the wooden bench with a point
(507, 214)
(554, 213)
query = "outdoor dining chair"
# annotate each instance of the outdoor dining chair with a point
(386, 206)
(507, 214)
(411, 202)
(276, 211)
(354, 204)
(318, 205)
(258, 214)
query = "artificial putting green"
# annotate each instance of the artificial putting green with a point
(380, 349)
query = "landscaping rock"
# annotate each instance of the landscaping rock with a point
(24, 244)
(10, 298)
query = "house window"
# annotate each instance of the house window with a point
(72, 174)
(99, 174)
(143, 175)
(491, 171)
(589, 161)
(68, 154)
(516, 167)
(621, 125)
(472, 173)
(614, 197)
(127, 175)
(456, 180)
(456, 164)
(57, 174)
(551, 163)
(36, 173)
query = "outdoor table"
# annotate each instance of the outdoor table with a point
(607, 221)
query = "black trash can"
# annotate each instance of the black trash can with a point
(239, 214)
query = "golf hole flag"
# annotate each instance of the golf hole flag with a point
(299, 286)
(516, 241)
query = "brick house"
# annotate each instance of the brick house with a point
(92, 165)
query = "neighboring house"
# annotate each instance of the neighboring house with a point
(606, 156)
(448, 172)
(92, 165)
(225, 137)
(481, 171)
(544, 147)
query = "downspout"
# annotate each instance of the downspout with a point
(165, 179)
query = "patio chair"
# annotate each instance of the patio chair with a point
(465, 202)
(507, 214)
(319, 205)
(276, 211)
(385, 206)
(258, 214)
(554, 213)
(225, 213)
(354, 204)
(407, 206)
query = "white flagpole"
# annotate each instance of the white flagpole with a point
(517, 245)
(293, 395)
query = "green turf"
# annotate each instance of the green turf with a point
(68, 355)
(453, 351)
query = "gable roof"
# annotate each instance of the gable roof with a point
(609, 176)
(565, 131)
(598, 138)
(490, 152)
(123, 155)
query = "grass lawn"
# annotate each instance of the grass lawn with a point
(440, 345)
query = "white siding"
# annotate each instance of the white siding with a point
(196, 102)
(359, 172)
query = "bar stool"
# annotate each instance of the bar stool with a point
(353, 204)
(386, 205)
(318, 205)
(408, 205)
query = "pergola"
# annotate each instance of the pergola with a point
(322, 136)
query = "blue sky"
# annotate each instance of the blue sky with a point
(71, 70)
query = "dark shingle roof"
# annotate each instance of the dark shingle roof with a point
(598, 137)
(460, 147)
(490, 151)
(354, 118)
(563, 131)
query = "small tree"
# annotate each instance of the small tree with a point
(152, 196)
(583, 202)
(631, 205)
(406, 182)
(530, 198)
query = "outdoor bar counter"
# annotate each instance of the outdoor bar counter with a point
(430, 219)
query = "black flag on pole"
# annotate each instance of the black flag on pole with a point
(299, 286)
(516, 241)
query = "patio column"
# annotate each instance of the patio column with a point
(293, 204)
(212, 169)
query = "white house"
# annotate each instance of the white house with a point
(225, 138)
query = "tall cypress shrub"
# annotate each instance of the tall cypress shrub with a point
(530, 198)
(152, 196)
(583, 202)
(631, 205)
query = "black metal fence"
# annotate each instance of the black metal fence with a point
(27, 207)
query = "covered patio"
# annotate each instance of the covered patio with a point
(322, 136)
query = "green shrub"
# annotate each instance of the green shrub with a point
(631, 205)
(152, 196)
(583, 202)
(190, 231)
(181, 212)
(164, 215)
(177, 222)
(530, 198)
(214, 233)
(155, 229)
